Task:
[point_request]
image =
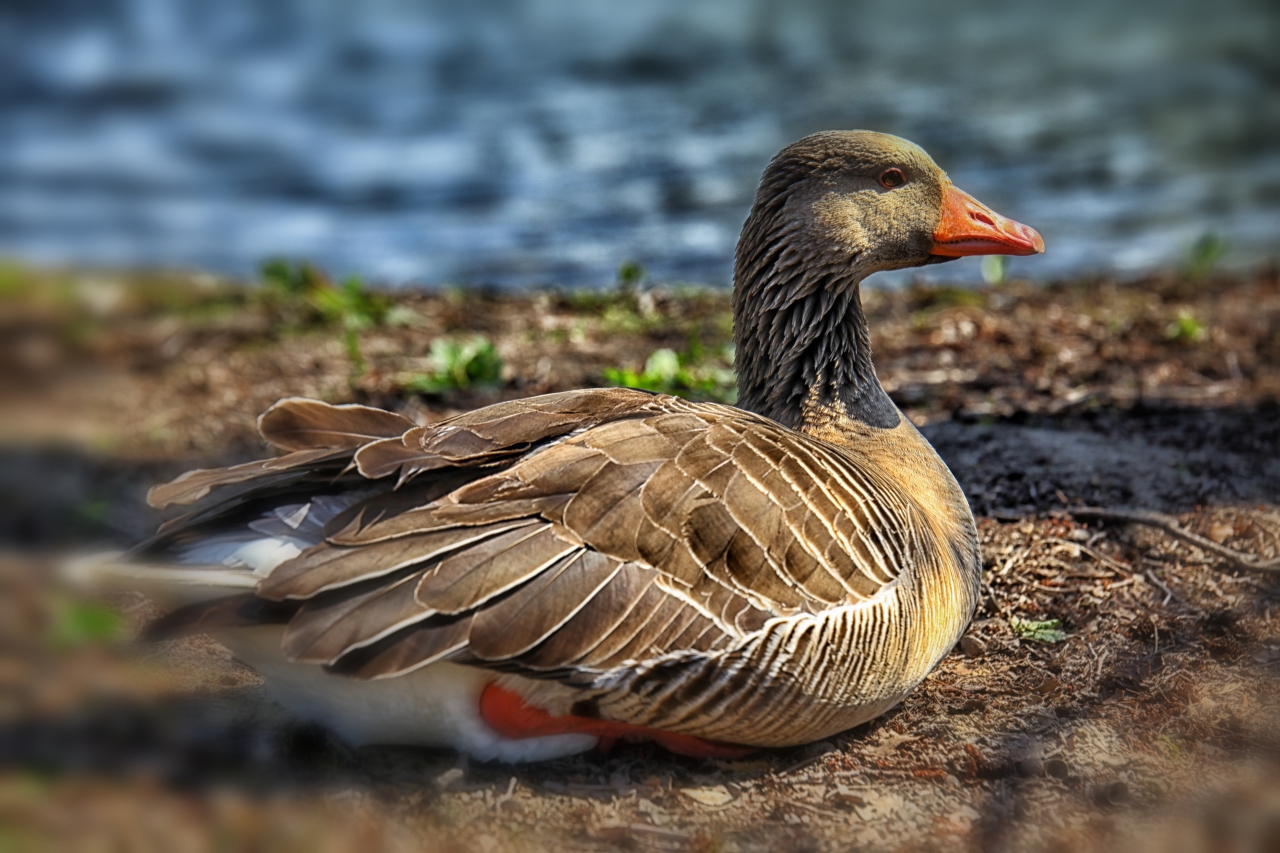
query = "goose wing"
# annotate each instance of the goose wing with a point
(557, 536)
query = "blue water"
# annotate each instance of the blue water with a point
(526, 142)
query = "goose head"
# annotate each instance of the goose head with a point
(864, 202)
(833, 208)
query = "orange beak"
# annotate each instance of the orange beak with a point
(969, 227)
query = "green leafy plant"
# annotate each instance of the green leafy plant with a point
(1185, 328)
(302, 294)
(926, 298)
(459, 365)
(15, 285)
(78, 623)
(354, 308)
(1045, 631)
(1204, 254)
(349, 304)
(686, 375)
(630, 274)
(995, 269)
(1169, 746)
(285, 279)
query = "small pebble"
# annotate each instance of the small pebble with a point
(1114, 793)
(972, 646)
(448, 777)
(1030, 767)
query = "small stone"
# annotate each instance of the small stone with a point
(1030, 766)
(1114, 793)
(448, 777)
(1049, 686)
(972, 646)
(712, 795)
(847, 797)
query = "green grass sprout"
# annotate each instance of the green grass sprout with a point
(688, 375)
(1185, 328)
(1044, 631)
(458, 365)
(1204, 254)
(995, 269)
(80, 623)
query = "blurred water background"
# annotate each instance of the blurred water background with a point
(530, 142)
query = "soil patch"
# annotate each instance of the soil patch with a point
(1117, 689)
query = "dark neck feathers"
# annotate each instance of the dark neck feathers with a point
(803, 352)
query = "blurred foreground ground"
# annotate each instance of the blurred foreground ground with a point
(1152, 725)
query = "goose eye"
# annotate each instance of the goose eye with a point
(892, 178)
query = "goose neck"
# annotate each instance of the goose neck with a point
(803, 353)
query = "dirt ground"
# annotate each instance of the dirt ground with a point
(1151, 725)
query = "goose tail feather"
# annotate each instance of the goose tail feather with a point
(169, 586)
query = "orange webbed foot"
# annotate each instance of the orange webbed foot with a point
(509, 715)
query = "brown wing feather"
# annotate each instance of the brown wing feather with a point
(296, 423)
(653, 604)
(327, 566)
(640, 646)
(583, 632)
(194, 485)
(235, 611)
(496, 433)
(324, 631)
(469, 579)
(583, 530)
(436, 638)
(528, 616)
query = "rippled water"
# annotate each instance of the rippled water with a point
(535, 141)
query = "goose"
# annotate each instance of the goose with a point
(540, 577)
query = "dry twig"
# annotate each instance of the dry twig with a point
(1101, 558)
(1170, 525)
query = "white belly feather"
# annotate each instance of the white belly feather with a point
(436, 705)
